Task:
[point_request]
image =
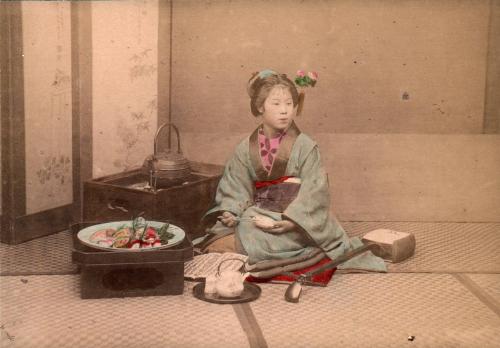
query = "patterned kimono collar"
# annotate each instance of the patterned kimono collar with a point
(281, 156)
(268, 147)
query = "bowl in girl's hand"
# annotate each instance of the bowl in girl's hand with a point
(263, 222)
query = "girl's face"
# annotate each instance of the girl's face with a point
(278, 110)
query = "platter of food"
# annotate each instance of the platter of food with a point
(132, 235)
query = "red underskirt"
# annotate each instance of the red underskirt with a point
(322, 278)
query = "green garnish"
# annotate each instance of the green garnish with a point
(137, 223)
(164, 235)
(144, 232)
(121, 227)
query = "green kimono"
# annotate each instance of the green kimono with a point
(298, 156)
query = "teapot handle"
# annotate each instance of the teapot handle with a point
(158, 132)
(230, 259)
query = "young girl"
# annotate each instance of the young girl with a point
(273, 201)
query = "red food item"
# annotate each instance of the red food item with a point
(150, 234)
(135, 244)
(146, 245)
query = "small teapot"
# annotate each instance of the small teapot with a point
(168, 164)
(230, 283)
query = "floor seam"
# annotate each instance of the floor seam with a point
(478, 292)
(250, 325)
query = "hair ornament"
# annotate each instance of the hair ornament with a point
(262, 75)
(267, 72)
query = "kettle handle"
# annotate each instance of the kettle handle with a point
(176, 132)
(229, 259)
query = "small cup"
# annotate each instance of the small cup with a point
(210, 283)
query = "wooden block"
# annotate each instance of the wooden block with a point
(394, 246)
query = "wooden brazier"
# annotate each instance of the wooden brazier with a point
(126, 195)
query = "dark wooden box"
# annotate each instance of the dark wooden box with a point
(107, 274)
(119, 197)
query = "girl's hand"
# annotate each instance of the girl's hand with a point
(228, 219)
(281, 227)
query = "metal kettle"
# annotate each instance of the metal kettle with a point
(170, 164)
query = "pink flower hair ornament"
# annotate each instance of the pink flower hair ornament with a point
(303, 80)
(313, 75)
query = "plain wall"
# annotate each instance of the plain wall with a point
(492, 103)
(367, 54)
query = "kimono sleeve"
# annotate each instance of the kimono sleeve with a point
(235, 189)
(311, 208)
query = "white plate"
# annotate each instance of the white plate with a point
(85, 234)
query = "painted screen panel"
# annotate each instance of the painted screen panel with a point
(48, 115)
(124, 100)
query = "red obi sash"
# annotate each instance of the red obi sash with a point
(260, 184)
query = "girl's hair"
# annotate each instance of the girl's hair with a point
(260, 87)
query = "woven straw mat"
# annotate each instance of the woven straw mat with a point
(379, 310)
(46, 311)
(441, 248)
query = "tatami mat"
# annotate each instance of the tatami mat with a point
(355, 310)
(379, 310)
(46, 255)
(443, 247)
(46, 311)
